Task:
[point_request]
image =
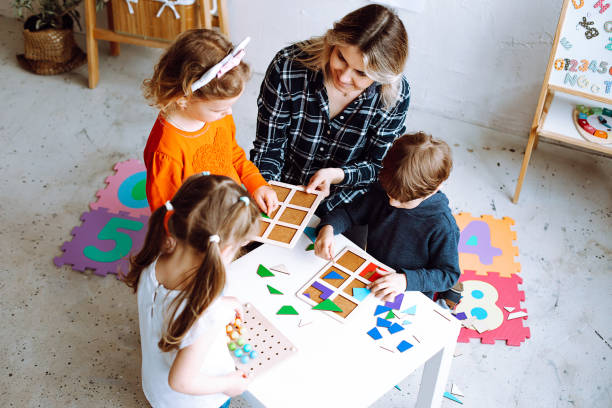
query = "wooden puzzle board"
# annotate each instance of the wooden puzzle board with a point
(356, 268)
(287, 223)
(271, 345)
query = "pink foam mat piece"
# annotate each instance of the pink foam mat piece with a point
(116, 196)
(512, 331)
(103, 242)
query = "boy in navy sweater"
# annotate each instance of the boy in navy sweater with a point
(410, 226)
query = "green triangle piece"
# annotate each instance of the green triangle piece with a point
(287, 310)
(328, 304)
(390, 315)
(310, 247)
(263, 214)
(263, 271)
(274, 291)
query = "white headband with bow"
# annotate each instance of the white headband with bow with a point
(230, 61)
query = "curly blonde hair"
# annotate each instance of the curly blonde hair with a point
(184, 62)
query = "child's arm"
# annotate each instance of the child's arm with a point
(163, 179)
(442, 273)
(250, 176)
(185, 375)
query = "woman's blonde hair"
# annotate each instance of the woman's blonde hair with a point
(378, 33)
(185, 61)
(203, 206)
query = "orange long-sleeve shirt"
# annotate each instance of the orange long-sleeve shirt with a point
(172, 155)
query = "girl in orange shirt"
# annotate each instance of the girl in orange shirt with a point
(195, 84)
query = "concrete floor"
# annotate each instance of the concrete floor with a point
(71, 339)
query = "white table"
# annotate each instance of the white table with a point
(338, 364)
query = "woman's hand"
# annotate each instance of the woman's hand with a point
(323, 178)
(237, 382)
(324, 244)
(266, 199)
(389, 285)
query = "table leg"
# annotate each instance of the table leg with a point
(435, 375)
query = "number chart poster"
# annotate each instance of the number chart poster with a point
(583, 57)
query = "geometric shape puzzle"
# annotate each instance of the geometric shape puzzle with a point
(411, 310)
(451, 397)
(327, 304)
(494, 250)
(396, 303)
(125, 191)
(287, 310)
(296, 207)
(403, 346)
(263, 271)
(381, 309)
(341, 280)
(395, 327)
(375, 334)
(103, 242)
(488, 309)
(274, 291)
(380, 322)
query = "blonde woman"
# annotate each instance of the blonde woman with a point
(330, 107)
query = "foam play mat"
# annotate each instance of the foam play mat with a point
(490, 308)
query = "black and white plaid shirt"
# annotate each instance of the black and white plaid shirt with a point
(295, 136)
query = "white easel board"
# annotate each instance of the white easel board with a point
(583, 57)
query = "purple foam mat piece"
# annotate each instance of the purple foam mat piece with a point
(397, 302)
(483, 248)
(326, 292)
(113, 229)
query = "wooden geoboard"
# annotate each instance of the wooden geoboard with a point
(287, 223)
(271, 345)
(356, 269)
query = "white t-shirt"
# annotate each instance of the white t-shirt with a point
(153, 302)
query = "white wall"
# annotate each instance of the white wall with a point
(479, 61)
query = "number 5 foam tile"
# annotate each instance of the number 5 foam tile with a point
(102, 242)
(484, 299)
(125, 190)
(486, 245)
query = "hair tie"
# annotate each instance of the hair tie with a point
(228, 62)
(214, 238)
(169, 206)
(205, 173)
(245, 200)
(169, 210)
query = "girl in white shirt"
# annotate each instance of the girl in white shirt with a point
(179, 275)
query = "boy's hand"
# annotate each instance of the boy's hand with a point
(323, 178)
(266, 199)
(238, 382)
(388, 285)
(324, 244)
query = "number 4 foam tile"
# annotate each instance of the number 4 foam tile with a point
(486, 245)
(125, 190)
(103, 241)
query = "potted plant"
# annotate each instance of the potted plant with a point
(48, 35)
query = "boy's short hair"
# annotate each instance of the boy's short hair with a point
(415, 166)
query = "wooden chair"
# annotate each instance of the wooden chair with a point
(204, 19)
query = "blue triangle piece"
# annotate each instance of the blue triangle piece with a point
(375, 334)
(360, 293)
(411, 310)
(333, 275)
(452, 397)
(381, 309)
(312, 233)
(472, 241)
(395, 327)
(380, 322)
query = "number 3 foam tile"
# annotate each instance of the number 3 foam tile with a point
(125, 190)
(483, 299)
(486, 245)
(102, 242)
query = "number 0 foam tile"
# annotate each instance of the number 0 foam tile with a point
(102, 242)
(125, 191)
(484, 298)
(486, 245)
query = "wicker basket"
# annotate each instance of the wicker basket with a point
(51, 45)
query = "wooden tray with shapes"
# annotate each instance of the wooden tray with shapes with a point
(356, 269)
(286, 224)
(271, 345)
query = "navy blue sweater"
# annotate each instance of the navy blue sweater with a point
(420, 242)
